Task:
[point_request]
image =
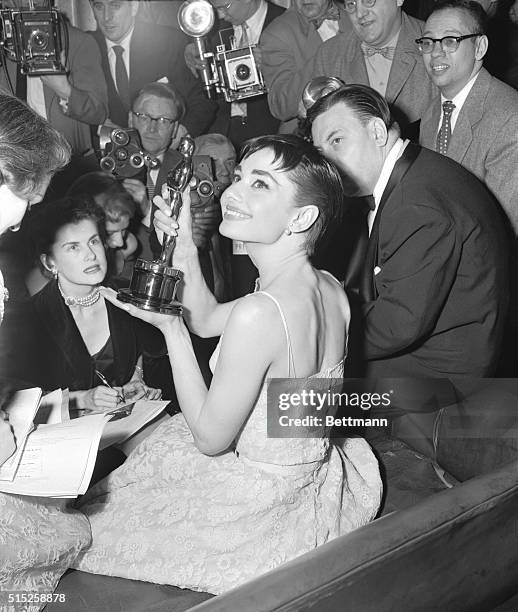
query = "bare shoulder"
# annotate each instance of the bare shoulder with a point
(335, 291)
(255, 309)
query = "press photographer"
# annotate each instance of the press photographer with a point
(240, 24)
(55, 68)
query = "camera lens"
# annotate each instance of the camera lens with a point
(39, 40)
(121, 154)
(242, 72)
(136, 160)
(120, 137)
(107, 164)
(205, 189)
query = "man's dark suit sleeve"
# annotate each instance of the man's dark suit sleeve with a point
(201, 111)
(419, 257)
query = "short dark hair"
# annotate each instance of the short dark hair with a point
(44, 222)
(366, 103)
(471, 8)
(166, 91)
(30, 149)
(317, 181)
(107, 192)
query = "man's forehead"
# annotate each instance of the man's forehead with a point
(152, 101)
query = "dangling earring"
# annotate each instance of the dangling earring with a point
(54, 273)
(287, 231)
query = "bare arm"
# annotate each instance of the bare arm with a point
(205, 316)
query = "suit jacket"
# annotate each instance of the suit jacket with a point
(437, 265)
(259, 118)
(88, 102)
(485, 138)
(56, 355)
(289, 45)
(156, 52)
(409, 89)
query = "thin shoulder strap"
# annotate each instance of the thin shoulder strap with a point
(332, 276)
(291, 364)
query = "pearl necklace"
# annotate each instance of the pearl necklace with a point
(87, 300)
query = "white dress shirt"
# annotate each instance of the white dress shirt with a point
(35, 96)
(125, 44)
(394, 154)
(378, 68)
(458, 100)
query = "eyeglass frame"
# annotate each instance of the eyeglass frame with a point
(366, 3)
(226, 7)
(457, 39)
(162, 121)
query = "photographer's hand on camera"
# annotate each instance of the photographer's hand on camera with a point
(193, 60)
(205, 220)
(137, 191)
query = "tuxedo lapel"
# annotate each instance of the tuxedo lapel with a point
(403, 164)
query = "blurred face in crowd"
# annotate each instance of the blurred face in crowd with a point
(13, 205)
(115, 18)
(451, 71)
(312, 9)
(513, 13)
(235, 12)
(156, 122)
(352, 144)
(117, 232)
(78, 256)
(378, 24)
(224, 157)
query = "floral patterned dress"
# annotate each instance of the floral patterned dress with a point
(172, 515)
(39, 539)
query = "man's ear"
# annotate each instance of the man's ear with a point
(481, 47)
(379, 131)
(305, 217)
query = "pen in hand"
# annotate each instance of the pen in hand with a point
(102, 378)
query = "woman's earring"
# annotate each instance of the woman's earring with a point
(54, 273)
(287, 231)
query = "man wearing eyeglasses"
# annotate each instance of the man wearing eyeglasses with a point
(134, 53)
(380, 52)
(475, 119)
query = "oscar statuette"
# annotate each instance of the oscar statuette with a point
(154, 283)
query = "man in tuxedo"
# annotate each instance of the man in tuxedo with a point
(288, 46)
(380, 52)
(134, 53)
(475, 119)
(434, 279)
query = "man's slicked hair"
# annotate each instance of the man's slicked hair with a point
(30, 149)
(471, 8)
(364, 101)
(165, 91)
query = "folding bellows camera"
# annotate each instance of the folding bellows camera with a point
(231, 72)
(34, 39)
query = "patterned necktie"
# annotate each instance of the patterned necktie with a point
(387, 52)
(121, 76)
(332, 13)
(150, 186)
(444, 135)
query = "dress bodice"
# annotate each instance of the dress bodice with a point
(253, 442)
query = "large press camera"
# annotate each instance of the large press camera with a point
(231, 72)
(34, 39)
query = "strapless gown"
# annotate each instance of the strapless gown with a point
(172, 515)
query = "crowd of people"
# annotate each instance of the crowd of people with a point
(366, 230)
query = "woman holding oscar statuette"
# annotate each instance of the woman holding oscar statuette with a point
(208, 500)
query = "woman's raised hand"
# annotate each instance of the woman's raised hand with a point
(181, 227)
